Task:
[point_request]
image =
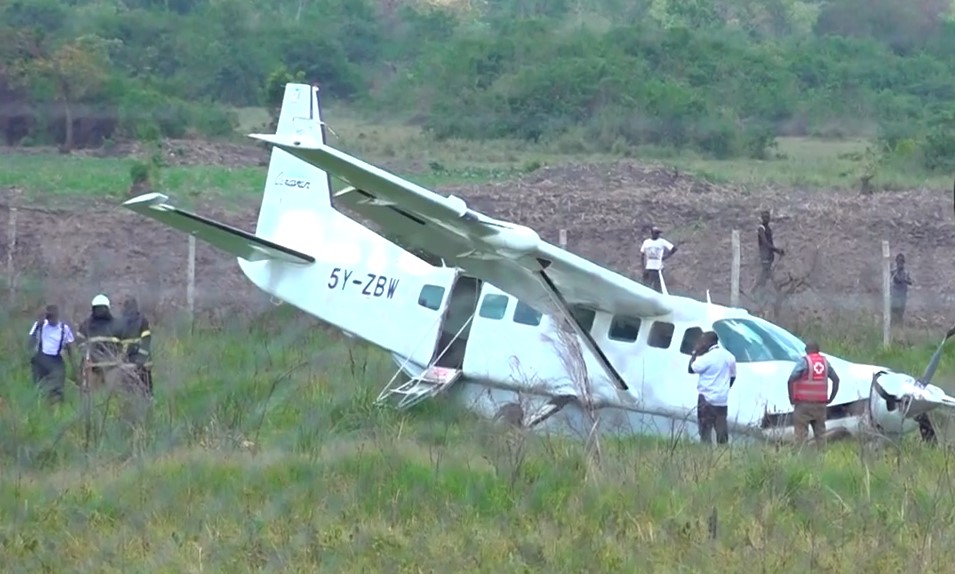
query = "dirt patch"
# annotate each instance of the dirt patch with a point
(606, 208)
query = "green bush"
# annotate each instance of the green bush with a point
(139, 173)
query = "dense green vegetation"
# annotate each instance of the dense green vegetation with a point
(721, 78)
(263, 452)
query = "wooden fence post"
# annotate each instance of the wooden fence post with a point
(886, 296)
(734, 271)
(191, 278)
(11, 248)
(563, 239)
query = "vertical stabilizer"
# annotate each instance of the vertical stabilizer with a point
(295, 190)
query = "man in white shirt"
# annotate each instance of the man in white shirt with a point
(48, 337)
(653, 252)
(717, 370)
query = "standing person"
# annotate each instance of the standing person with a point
(809, 393)
(767, 249)
(137, 343)
(100, 334)
(716, 368)
(653, 253)
(899, 291)
(49, 336)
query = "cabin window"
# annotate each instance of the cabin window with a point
(754, 340)
(690, 337)
(431, 296)
(526, 315)
(623, 328)
(493, 306)
(584, 317)
(661, 334)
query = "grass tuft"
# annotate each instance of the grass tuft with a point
(263, 451)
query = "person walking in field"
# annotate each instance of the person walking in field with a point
(653, 253)
(100, 335)
(137, 345)
(899, 291)
(716, 368)
(809, 393)
(49, 337)
(767, 250)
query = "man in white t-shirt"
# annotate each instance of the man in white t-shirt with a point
(717, 370)
(49, 337)
(653, 252)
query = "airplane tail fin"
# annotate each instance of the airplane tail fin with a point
(296, 193)
(296, 201)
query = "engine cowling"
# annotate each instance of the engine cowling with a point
(887, 404)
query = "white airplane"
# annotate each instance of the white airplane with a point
(505, 321)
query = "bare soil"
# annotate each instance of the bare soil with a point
(69, 253)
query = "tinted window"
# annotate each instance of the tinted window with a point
(493, 306)
(431, 296)
(623, 328)
(690, 338)
(660, 335)
(526, 315)
(584, 317)
(755, 340)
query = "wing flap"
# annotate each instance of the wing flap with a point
(227, 238)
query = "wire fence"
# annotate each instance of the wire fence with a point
(66, 256)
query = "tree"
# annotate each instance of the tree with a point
(69, 73)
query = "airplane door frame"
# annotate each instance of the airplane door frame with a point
(453, 357)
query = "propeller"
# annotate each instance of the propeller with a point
(933, 362)
(893, 395)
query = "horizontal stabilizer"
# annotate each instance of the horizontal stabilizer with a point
(234, 241)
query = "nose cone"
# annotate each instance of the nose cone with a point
(887, 410)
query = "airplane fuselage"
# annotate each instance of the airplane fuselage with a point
(510, 353)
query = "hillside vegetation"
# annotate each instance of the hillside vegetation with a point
(722, 78)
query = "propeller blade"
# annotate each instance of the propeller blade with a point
(933, 363)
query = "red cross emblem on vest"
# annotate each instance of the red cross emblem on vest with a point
(819, 368)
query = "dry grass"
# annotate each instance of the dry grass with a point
(263, 452)
(796, 161)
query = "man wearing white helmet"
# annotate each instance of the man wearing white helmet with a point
(100, 336)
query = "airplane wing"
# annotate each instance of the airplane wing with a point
(229, 239)
(510, 256)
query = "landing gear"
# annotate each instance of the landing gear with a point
(926, 429)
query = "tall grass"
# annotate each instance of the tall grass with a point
(263, 451)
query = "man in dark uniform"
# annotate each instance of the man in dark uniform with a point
(100, 334)
(137, 342)
(767, 250)
(899, 291)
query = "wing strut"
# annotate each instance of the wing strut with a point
(588, 339)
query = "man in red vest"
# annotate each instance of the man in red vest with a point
(809, 393)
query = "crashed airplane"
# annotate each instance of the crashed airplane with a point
(504, 322)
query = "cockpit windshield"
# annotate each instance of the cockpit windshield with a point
(755, 340)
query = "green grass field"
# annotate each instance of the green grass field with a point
(264, 452)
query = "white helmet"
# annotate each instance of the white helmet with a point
(100, 300)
